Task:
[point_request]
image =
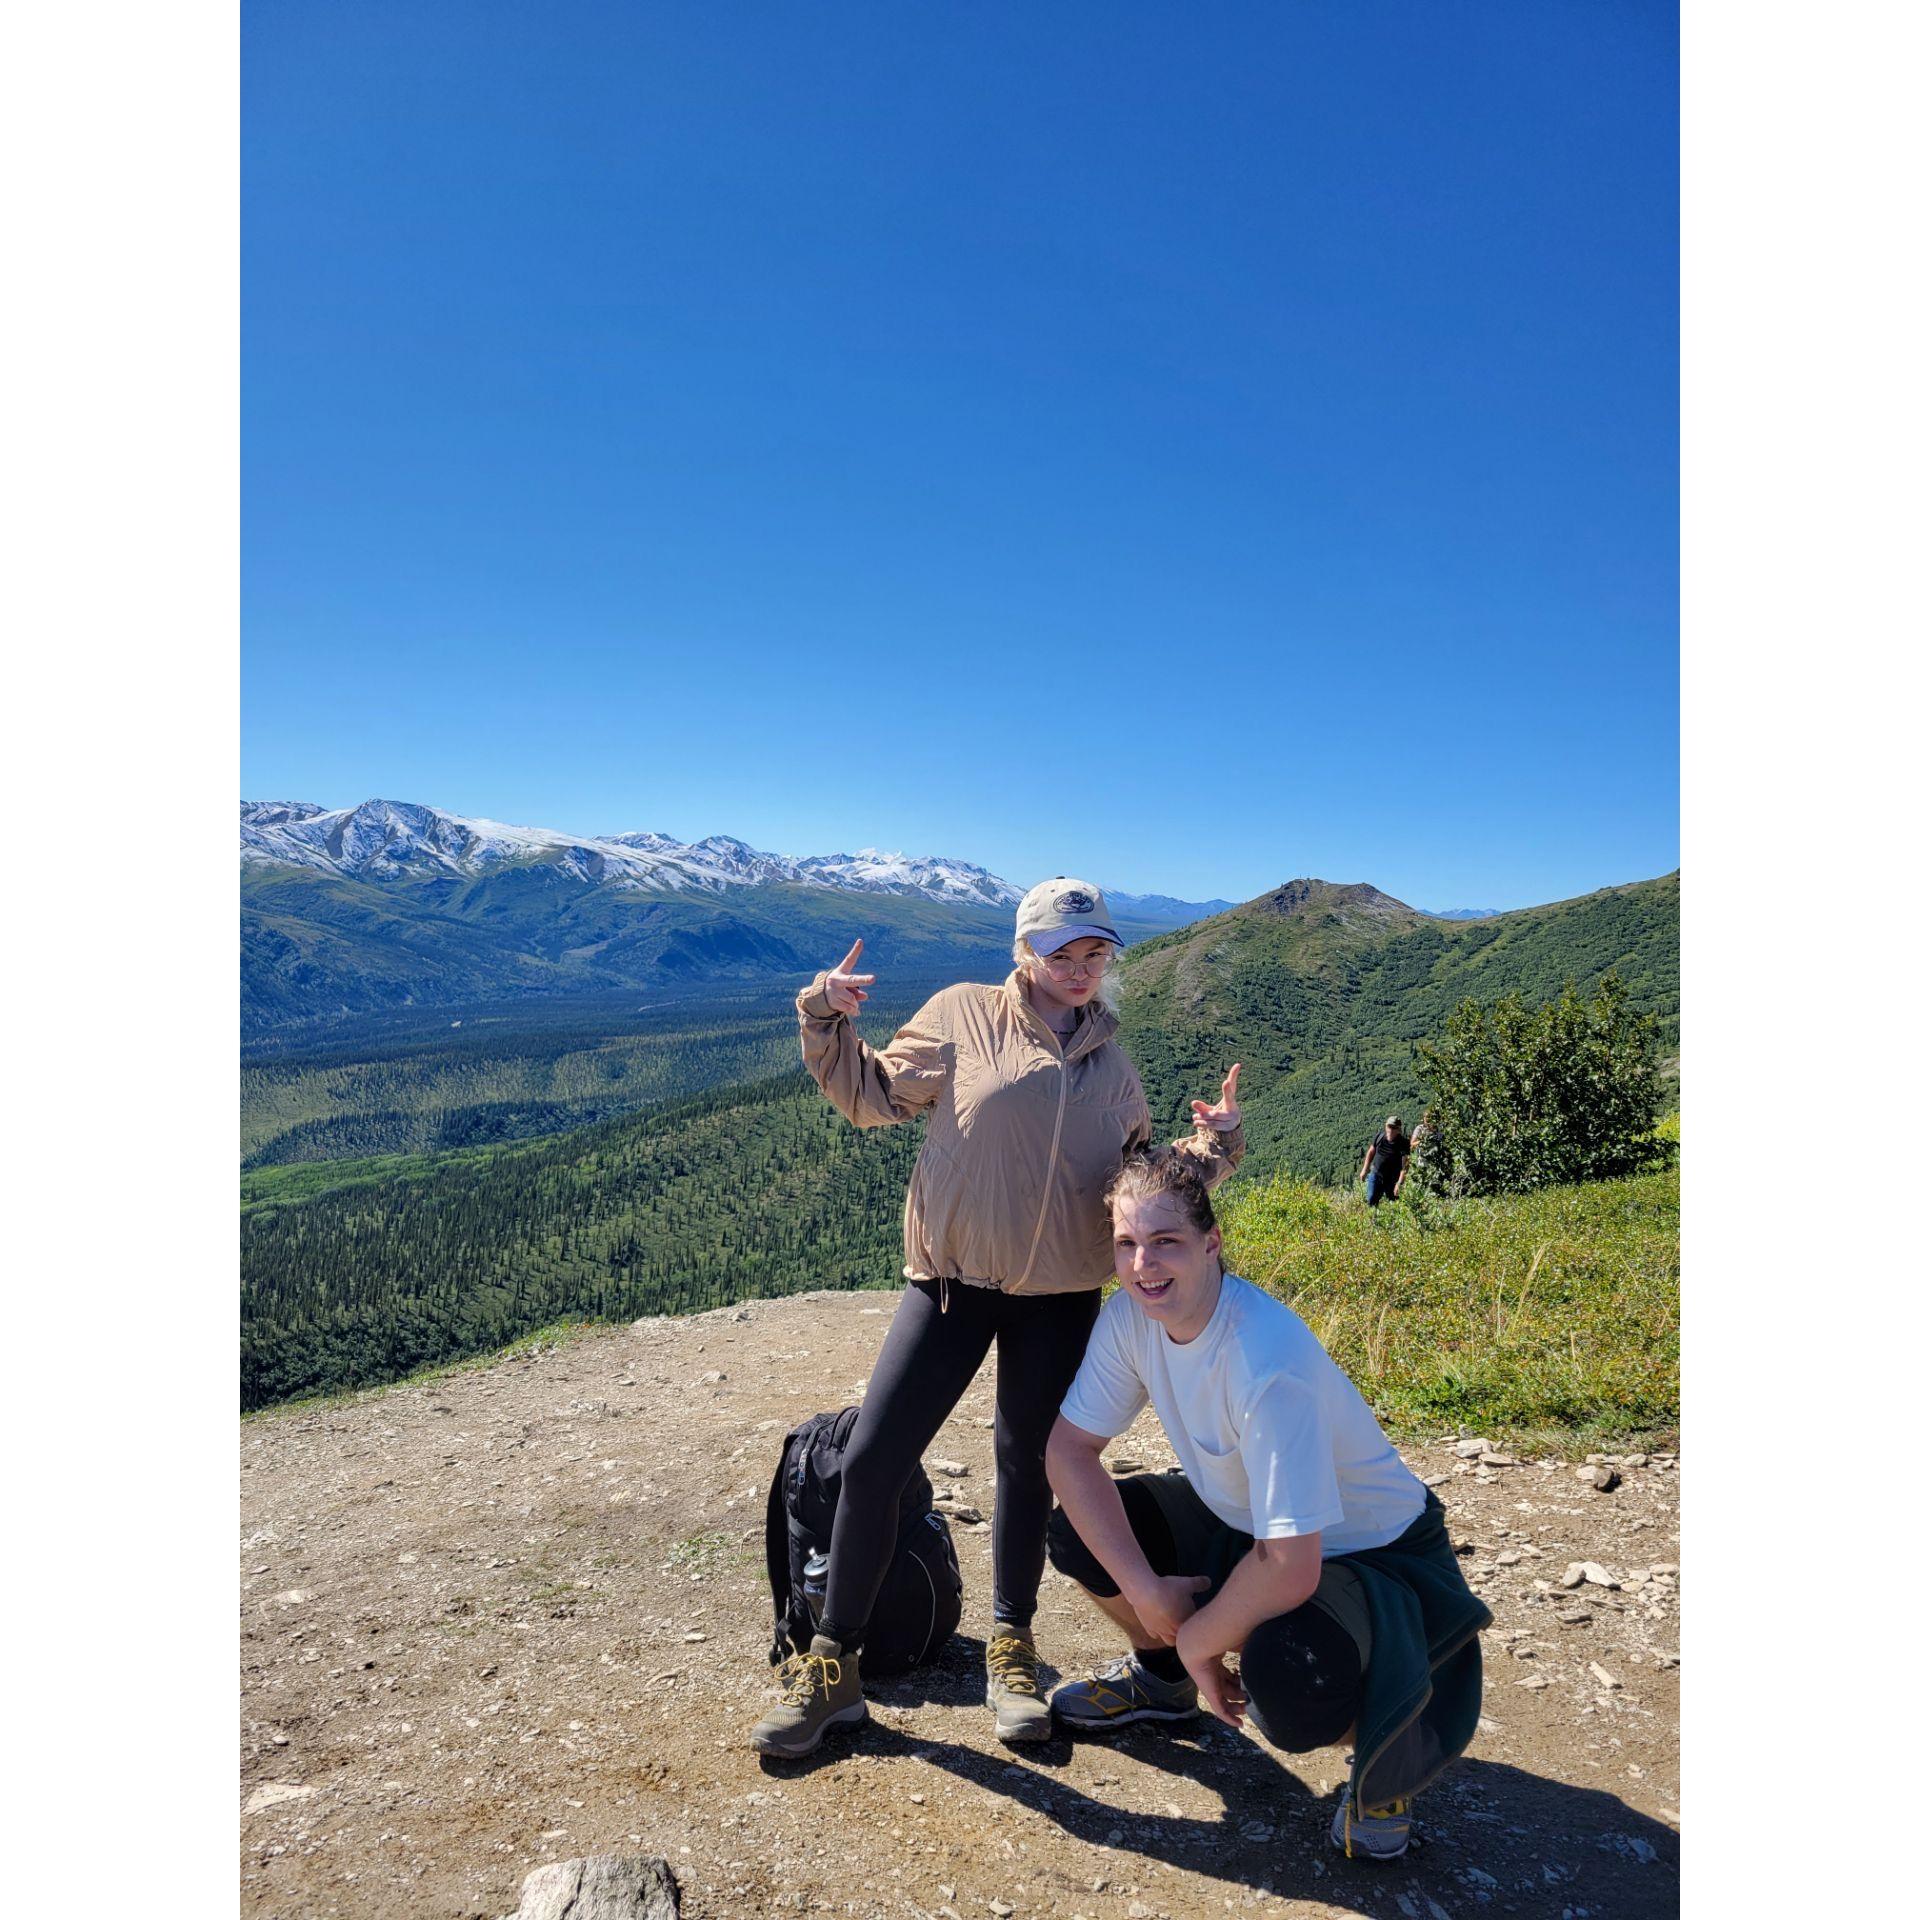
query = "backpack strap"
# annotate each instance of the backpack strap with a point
(778, 1572)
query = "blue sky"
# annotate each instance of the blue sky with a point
(1188, 447)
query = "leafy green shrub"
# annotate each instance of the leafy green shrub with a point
(1524, 1098)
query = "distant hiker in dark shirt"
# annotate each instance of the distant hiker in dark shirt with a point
(1385, 1167)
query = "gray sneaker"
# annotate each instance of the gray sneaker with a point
(1383, 1834)
(1013, 1687)
(822, 1691)
(1120, 1693)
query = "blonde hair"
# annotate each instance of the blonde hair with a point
(1107, 994)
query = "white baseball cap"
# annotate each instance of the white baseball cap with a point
(1060, 910)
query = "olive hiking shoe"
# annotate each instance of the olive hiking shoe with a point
(1013, 1686)
(822, 1691)
(1383, 1834)
(1120, 1693)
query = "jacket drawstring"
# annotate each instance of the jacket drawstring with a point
(943, 1293)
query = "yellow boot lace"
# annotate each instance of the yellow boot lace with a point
(805, 1674)
(1013, 1662)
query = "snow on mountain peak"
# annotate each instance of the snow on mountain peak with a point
(391, 839)
(267, 813)
(871, 871)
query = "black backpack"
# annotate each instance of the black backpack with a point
(919, 1602)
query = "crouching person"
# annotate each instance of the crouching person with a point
(1293, 1536)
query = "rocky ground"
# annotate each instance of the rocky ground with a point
(519, 1615)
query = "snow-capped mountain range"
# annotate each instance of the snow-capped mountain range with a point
(389, 839)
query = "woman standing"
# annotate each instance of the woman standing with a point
(1031, 1105)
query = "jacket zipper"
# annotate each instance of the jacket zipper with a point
(1046, 1186)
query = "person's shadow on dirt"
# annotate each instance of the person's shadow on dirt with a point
(955, 1679)
(1485, 1832)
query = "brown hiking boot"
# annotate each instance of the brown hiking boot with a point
(822, 1690)
(1013, 1686)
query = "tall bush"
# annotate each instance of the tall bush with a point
(1523, 1098)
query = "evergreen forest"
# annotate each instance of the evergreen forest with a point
(737, 1194)
(432, 1187)
(426, 1082)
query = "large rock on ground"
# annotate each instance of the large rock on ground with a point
(604, 1886)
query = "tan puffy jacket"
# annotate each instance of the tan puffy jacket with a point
(1020, 1142)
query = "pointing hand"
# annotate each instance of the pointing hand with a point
(1226, 1116)
(845, 988)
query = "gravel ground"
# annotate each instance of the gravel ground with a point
(519, 1615)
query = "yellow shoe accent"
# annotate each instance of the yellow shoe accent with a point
(820, 1691)
(1012, 1660)
(1120, 1693)
(804, 1675)
(1383, 1834)
(1013, 1689)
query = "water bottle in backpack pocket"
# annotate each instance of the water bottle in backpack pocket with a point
(918, 1605)
(814, 1586)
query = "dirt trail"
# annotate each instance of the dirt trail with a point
(519, 1615)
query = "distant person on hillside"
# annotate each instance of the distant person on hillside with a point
(1385, 1167)
(1031, 1105)
(1422, 1146)
(1294, 1536)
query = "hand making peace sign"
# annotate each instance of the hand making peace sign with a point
(845, 988)
(1226, 1116)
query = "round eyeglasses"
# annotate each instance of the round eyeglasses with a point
(1060, 968)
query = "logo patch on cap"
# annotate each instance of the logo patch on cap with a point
(1073, 903)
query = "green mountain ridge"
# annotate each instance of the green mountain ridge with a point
(415, 1081)
(1320, 990)
(317, 946)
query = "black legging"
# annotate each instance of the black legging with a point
(926, 1363)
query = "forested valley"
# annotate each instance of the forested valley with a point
(422, 1082)
(398, 1210)
(733, 1195)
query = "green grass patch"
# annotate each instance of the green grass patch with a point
(702, 1552)
(1525, 1317)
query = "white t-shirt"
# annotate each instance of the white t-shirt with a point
(1274, 1437)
